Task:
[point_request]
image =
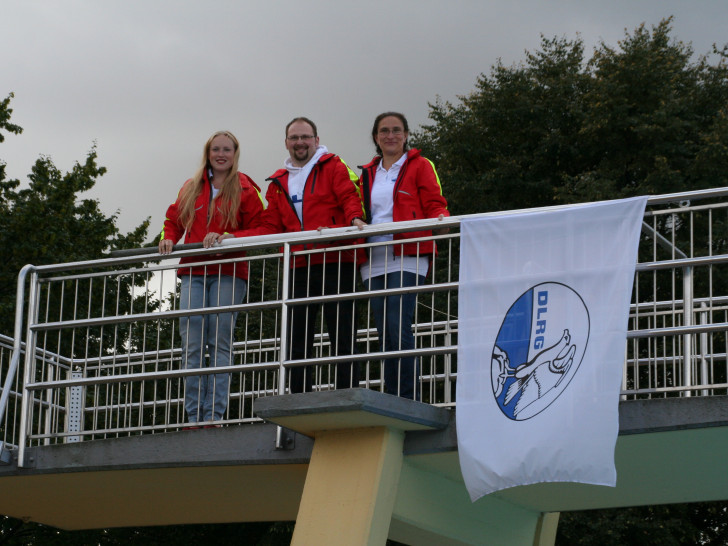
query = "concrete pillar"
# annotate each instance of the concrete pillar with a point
(350, 487)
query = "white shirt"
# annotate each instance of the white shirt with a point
(297, 177)
(382, 259)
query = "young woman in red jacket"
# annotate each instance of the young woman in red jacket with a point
(398, 184)
(216, 203)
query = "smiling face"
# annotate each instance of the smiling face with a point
(391, 136)
(221, 155)
(301, 142)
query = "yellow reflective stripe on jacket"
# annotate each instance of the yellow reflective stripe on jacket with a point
(354, 180)
(437, 177)
(161, 235)
(262, 201)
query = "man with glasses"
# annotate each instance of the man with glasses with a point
(317, 190)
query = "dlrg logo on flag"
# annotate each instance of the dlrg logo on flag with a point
(543, 305)
(539, 348)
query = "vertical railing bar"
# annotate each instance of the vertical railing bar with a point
(703, 349)
(129, 386)
(26, 406)
(143, 363)
(109, 416)
(687, 321)
(47, 314)
(176, 299)
(284, 333)
(50, 411)
(157, 348)
(59, 337)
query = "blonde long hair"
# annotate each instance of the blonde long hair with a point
(229, 195)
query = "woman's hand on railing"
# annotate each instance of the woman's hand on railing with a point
(213, 238)
(165, 246)
(440, 231)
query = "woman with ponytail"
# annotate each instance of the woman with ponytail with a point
(218, 202)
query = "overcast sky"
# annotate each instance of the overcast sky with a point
(149, 81)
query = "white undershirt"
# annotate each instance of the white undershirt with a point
(382, 259)
(297, 177)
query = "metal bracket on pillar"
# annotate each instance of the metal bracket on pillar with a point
(285, 439)
(6, 456)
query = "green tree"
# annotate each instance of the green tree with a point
(48, 223)
(642, 118)
(511, 142)
(650, 112)
(671, 525)
(14, 533)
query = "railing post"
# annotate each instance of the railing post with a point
(74, 406)
(26, 405)
(280, 440)
(687, 321)
(623, 396)
(704, 349)
(47, 413)
(448, 365)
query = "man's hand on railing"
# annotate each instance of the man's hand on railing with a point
(358, 222)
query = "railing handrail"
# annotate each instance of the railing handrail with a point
(146, 254)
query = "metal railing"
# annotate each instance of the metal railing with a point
(103, 357)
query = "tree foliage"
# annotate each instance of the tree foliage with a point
(5, 125)
(703, 523)
(14, 533)
(47, 222)
(641, 118)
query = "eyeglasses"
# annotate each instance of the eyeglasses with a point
(395, 131)
(296, 138)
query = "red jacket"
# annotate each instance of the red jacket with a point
(249, 217)
(417, 194)
(331, 198)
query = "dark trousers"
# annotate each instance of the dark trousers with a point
(323, 280)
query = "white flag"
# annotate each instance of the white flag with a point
(543, 310)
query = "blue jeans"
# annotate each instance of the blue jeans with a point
(206, 396)
(393, 316)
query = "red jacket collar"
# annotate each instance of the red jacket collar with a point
(243, 178)
(411, 154)
(280, 173)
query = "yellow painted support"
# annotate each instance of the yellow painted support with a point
(546, 529)
(350, 488)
